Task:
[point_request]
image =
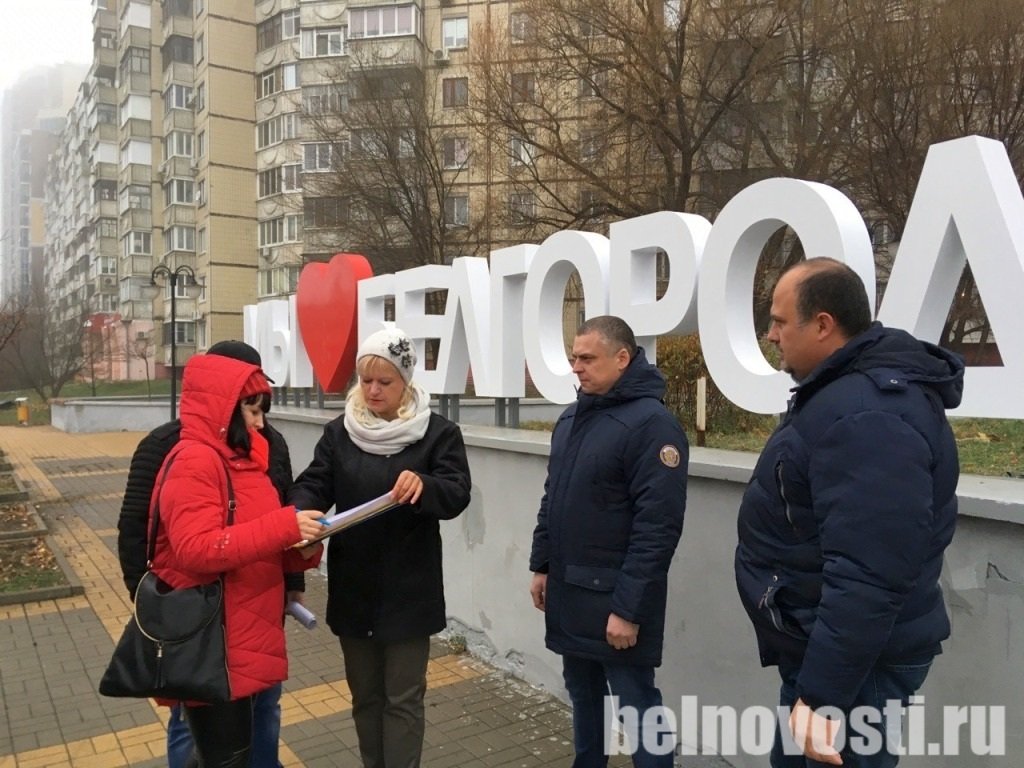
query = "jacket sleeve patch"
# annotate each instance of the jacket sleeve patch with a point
(669, 455)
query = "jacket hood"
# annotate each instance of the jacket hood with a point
(210, 390)
(640, 379)
(893, 356)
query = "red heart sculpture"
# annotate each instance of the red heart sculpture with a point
(326, 306)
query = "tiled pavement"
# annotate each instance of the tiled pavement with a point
(52, 653)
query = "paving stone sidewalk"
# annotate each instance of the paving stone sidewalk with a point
(52, 653)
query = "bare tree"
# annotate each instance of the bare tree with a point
(46, 353)
(610, 108)
(394, 185)
(12, 317)
(142, 348)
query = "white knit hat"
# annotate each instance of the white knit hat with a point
(394, 346)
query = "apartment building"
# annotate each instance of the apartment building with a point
(32, 113)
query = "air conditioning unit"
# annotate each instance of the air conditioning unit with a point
(108, 282)
(190, 102)
(441, 56)
(265, 253)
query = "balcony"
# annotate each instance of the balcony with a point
(104, 63)
(179, 120)
(178, 167)
(137, 173)
(386, 52)
(180, 213)
(135, 265)
(178, 25)
(136, 82)
(137, 219)
(179, 72)
(137, 128)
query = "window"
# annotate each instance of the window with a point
(289, 76)
(138, 244)
(591, 87)
(283, 229)
(590, 203)
(135, 60)
(106, 114)
(176, 48)
(520, 27)
(267, 83)
(277, 129)
(455, 91)
(385, 21)
(367, 142)
(521, 151)
(590, 146)
(107, 302)
(178, 97)
(268, 182)
(278, 280)
(184, 332)
(107, 265)
(179, 239)
(201, 240)
(179, 191)
(201, 192)
(523, 87)
(200, 97)
(268, 33)
(107, 227)
(455, 151)
(324, 99)
(178, 144)
(456, 210)
(455, 32)
(201, 144)
(323, 41)
(522, 208)
(320, 156)
(291, 177)
(137, 197)
(290, 24)
(200, 48)
(323, 212)
(102, 190)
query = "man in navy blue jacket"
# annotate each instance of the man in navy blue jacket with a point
(609, 522)
(844, 523)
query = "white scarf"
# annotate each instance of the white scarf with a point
(385, 438)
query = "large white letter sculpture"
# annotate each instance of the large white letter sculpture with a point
(968, 207)
(827, 224)
(543, 336)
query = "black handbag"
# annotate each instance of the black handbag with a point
(173, 647)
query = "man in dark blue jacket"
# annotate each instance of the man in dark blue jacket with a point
(844, 523)
(609, 522)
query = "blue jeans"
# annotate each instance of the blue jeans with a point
(884, 683)
(266, 729)
(588, 683)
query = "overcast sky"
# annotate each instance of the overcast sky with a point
(36, 32)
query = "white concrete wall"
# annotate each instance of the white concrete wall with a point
(109, 415)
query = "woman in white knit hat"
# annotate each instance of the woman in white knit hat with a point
(385, 584)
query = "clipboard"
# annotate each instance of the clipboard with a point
(339, 521)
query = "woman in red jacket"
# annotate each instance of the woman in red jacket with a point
(222, 406)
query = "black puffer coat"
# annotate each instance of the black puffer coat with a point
(844, 522)
(145, 464)
(384, 576)
(611, 517)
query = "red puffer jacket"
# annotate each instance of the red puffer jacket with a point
(194, 543)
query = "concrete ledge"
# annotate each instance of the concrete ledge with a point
(19, 495)
(71, 588)
(39, 527)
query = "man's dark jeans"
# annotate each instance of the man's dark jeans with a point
(884, 683)
(588, 683)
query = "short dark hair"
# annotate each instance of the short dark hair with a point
(830, 286)
(238, 434)
(613, 330)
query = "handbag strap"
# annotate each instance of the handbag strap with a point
(154, 523)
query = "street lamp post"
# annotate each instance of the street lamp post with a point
(173, 275)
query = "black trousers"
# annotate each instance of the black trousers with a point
(222, 733)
